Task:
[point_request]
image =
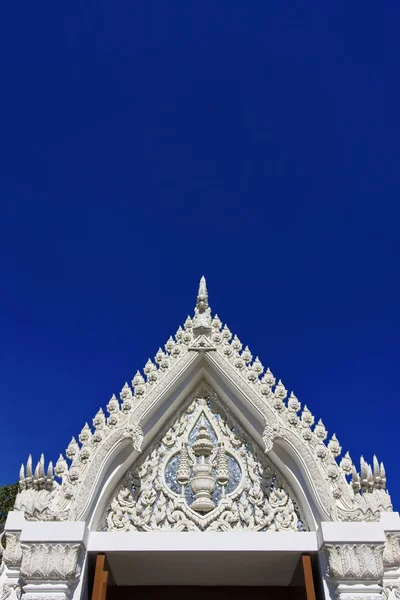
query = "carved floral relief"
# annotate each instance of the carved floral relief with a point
(205, 474)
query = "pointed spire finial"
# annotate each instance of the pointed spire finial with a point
(202, 313)
(202, 296)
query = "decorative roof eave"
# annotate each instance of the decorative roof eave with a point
(362, 499)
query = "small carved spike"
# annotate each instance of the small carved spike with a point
(188, 325)
(61, 466)
(187, 337)
(363, 470)
(138, 379)
(99, 420)
(150, 367)
(113, 405)
(258, 366)
(126, 392)
(169, 346)
(158, 358)
(151, 371)
(216, 323)
(40, 466)
(370, 479)
(355, 480)
(179, 334)
(266, 385)
(236, 344)
(280, 391)
(334, 446)
(49, 477)
(165, 363)
(366, 477)
(268, 378)
(307, 418)
(85, 434)
(38, 476)
(127, 404)
(293, 403)
(377, 472)
(23, 484)
(383, 476)
(29, 466)
(247, 355)
(346, 464)
(139, 386)
(226, 333)
(280, 394)
(73, 449)
(320, 431)
(36, 471)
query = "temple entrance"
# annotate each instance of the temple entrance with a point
(284, 577)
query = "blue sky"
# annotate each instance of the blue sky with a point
(145, 144)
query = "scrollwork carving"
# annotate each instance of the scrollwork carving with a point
(204, 474)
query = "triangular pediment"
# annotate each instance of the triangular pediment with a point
(204, 352)
(203, 472)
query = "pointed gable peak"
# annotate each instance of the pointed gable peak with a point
(222, 351)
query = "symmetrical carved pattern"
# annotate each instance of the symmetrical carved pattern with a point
(363, 498)
(355, 561)
(391, 554)
(391, 563)
(50, 561)
(12, 554)
(204, 475)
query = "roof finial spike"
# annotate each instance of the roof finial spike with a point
(202, 312)
(202, 296)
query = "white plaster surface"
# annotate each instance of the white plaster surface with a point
(202, 542)
(34, 531)
(352, 532)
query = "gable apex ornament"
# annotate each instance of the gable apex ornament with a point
(202, 344)
(67, 492)
(202, 312)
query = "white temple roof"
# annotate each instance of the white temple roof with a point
(204, 348)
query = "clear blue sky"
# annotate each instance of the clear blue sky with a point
(144, 144)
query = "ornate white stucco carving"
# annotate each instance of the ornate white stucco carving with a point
(45, 561)
(63, 493)
(355, 561)
(205, 474)
(355, 570)
(391, 563)
(10, 566)
(12, 554)
(391, 554)
(5, 591)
